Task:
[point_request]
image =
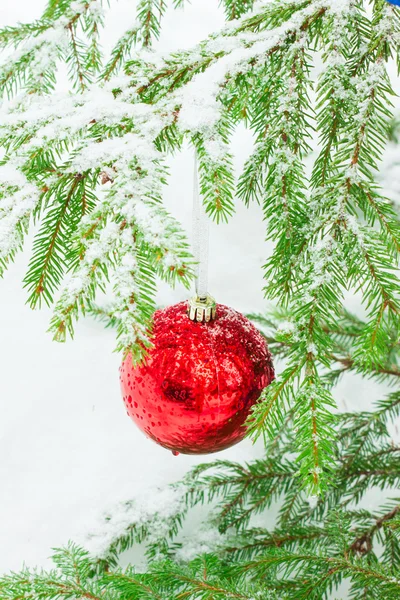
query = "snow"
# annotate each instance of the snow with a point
(206, 540)
(156, 504)
(69, 454)
(19, 198)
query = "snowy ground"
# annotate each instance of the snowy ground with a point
(68, 452)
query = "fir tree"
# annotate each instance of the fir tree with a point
(311, 80)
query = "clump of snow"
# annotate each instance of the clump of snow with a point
(312, 501)
(18, 197)
(205, 541)
(155, 508)
(286, 327)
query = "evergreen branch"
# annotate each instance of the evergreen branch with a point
(341, 352)
(149, 15)
(363, 544)
(268, 412)
(234, 9)
(120, 53)
(327, 568)
(47, 265)
(76, 61)
(256, 542)
(386, 216)
(216, 179)
(15, 35)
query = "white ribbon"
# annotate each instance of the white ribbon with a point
(200, 237)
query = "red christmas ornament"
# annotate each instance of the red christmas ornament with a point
(199, 382)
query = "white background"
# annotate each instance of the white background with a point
(68, 452)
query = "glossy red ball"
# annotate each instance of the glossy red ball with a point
(199, 382)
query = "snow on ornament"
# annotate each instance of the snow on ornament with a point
(206, 370)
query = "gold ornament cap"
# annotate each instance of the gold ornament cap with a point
(202, 310)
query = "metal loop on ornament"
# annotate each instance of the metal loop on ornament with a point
(202, 310)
